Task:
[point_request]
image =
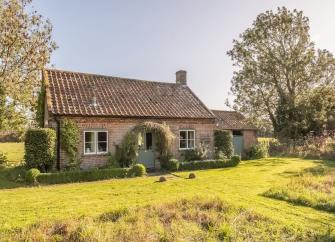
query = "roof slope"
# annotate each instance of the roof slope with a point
(71, 93)
(231, 120)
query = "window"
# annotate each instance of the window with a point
(186, 139)
(96, 142)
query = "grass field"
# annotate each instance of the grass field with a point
(240, 186)
(13, 151)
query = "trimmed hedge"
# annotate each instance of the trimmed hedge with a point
(81, 176)
(40, 147)
(172, 165)
(208, 164)
(223, 143)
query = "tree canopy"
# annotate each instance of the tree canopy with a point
(25, 48)
(277, 65)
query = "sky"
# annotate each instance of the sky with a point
(152, 39)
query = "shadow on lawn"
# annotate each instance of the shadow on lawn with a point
(267, 162)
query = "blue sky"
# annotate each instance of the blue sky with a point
(152, 39)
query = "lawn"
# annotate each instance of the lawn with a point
(240, 186)
(13, 151)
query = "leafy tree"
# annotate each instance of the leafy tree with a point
(276, 65)
(25, 48)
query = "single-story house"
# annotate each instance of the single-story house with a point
(105, 108)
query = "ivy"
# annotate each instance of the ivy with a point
(69, 136)
(127, 153)
(39, 118)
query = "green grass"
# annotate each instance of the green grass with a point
(237, 186)
(13, 151)
(196, 219)
(308, 190)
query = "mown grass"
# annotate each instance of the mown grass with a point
(24, 208)
(196, 219)
(312, 190)
(13, 151)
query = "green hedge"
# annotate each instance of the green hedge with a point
(208, 164)
(81, 176)
(40, 147)
(223, 143)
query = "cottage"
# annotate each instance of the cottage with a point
(105, 108)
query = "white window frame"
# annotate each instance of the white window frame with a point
(96, 142)
(187, 130)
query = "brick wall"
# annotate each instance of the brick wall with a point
(117, 129)
(249, 138)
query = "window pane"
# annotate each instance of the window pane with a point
(182, 134)
(102, 136)
(89, 137)
(102, 147)
(190, 144)
(183, 144)
(90, 147)
(190, 134)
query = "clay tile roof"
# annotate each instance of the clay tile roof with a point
(71, 93)
(231, 120)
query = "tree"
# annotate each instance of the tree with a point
(25, 48)
(276, 65)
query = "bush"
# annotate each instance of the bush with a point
(81, 176)
(137, 170)
(113, 161)
(191, 176)
(3, 160)
(235, 159)
(190, 155)
(258, 151)
(162, 179)
(171, 165)
(40, 145)
(208, 164)
(223, 143)
(31, 176)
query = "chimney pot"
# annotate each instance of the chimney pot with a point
(181, 77)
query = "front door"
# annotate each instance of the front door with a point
(238, 144)
(146, 154)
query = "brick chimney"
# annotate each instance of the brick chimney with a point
(181, 77)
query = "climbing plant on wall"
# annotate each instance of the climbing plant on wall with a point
(69, 136)
(127, 153)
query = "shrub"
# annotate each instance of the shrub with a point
(137, 170)
(69, 135)
(191, 176)
(162, 179)
(113, 161)
(3, 160)
(80, 176)
(223, 142)
(171, 165)
(207, 164)
(258, 151)
(235, 159)
(40, 145)
(190, 155)
(31, 176)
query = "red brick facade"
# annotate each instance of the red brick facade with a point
(117, 129)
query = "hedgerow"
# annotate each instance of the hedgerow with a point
(40, 146)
